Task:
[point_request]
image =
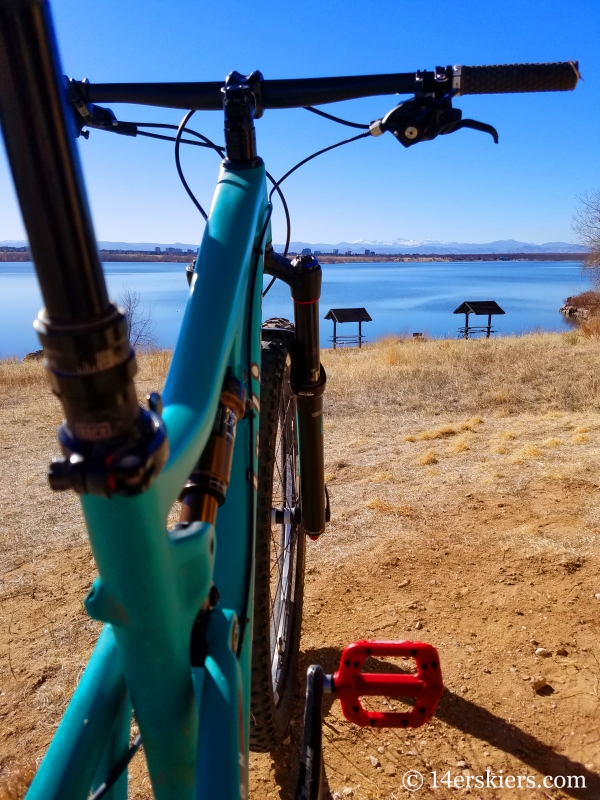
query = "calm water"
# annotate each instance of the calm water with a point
(401, 297)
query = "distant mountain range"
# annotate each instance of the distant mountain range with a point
(428, 246)
(424, 246)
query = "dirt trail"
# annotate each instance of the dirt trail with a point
(477, 534)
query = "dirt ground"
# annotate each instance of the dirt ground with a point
(475, 532)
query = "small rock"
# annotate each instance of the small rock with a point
(487, 670)
(553, 705)
(288, 740)
(562, 652)
(542, 652)
(597, 596)
(418, 626)
(526, 677)
(513, 669)
(469, 495)
(374, 761)
(464, 689)
(461, 763)
(336, 796)
(347, 791)
(539, 683)
(410, 753)
(403, 583)
(381, 750)
(534, 642)
(433, 582)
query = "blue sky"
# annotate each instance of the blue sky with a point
(460, 187)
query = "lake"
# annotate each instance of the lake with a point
(401, 297)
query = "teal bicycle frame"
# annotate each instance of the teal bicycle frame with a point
(193, 712)
(152, 582)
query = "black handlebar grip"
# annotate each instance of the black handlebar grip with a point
(555, 77)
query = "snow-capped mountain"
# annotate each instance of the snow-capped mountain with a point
(427, 246)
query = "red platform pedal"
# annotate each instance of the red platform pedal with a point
(350, 684)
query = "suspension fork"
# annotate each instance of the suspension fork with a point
(307, 381)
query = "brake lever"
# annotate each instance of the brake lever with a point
(474, 125)
(425, 117)
(90, 115)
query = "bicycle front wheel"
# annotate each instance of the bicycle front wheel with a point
(280, 545)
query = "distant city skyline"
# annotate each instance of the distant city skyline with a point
(358, 246)
(458, 188)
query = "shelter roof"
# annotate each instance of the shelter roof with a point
(479, 307)
(348, 315)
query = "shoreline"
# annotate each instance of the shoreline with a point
(12, 257)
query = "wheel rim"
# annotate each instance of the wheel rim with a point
(283, 539)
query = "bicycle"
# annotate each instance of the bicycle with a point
(175, 648)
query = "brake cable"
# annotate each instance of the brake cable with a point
(336, 119)
(300, 164)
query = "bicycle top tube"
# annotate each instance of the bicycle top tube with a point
(298, 93)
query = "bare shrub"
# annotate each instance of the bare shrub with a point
(140, 324)
(586, 226)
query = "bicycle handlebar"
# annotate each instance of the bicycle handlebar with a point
(504, 78)
(298, 93)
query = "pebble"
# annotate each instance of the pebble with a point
(526, 677)
(464, 689)
(347, 791)
(542, 652)
(461, 763)
(562, 652)
(403, 583)
(487, 670)
(418, 626)
(597, 596)
(374, 761)
(381, 750)
(539, 683)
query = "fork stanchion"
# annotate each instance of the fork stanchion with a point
(307, 381)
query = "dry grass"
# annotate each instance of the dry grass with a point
(534, 373)
(29, 418)
(428, 457)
